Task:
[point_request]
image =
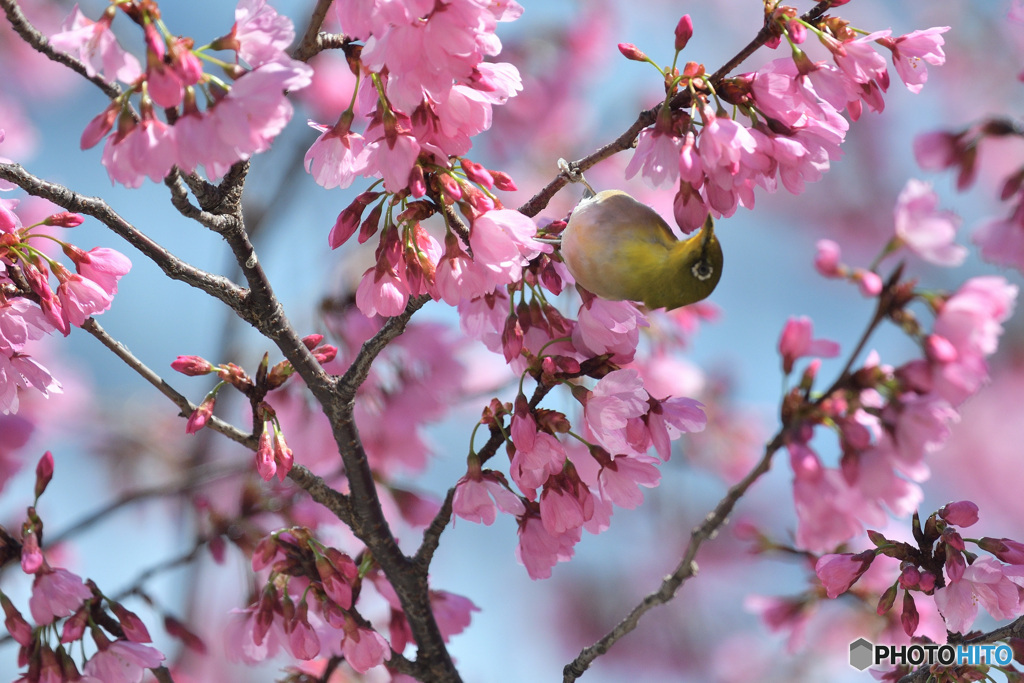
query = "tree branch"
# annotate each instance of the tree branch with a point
(311, 44)
(686, 569)
(357, 372)
(625, 141)
(31, 35)
(186, 407)
(215, 285)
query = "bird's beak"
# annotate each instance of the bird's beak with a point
(707, 232)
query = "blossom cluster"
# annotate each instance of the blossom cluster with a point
(307, 606)
(241, 117)
(794, 109)
(938, 565)
(569, 482)
(60, 594)
(29, 306)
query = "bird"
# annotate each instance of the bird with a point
(621, 249)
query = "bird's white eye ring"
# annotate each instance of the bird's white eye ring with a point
(702, 270)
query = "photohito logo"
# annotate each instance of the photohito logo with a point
(863, 654)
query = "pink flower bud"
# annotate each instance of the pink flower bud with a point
(15, 623)
(910, 577)
(193, 366)
(264, 553)
(44, 473)
(826, 260)
(940, 350)
(927, 582)
(870, 283)
(64, 219)
(684, 31)
(134, 629)
(909, 618)
(265, 464)
(325, 353)
(477, 173)
(201, 415)
(631, 51)
(311, 341)
(962, 513)
(503, 181)
(31, 555)
(99, 126)
(181, 632)
(1007, 550)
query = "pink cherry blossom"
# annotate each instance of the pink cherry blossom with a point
(240, 637)
(986, 581)
(608, 327)
(796, 342)
(478, 498)
(95, 45)
(908, 51)
(838, 572)
(261, 33)
(336, 158)
(925, 230)
(657, 157)
(538, 454)
(671, 417)
(616, 398)
(564, 508)
(392, 160)
(1002, 239)
(861, 62)
(503, 242)
(452, 612)
(539, 550)
(20, 371)
(381, 292)
(104, 267)
(620, 480)
(122, 662)
(56, 593)
(365, 649)
(81, 298)
(21, 321)
(970, 321)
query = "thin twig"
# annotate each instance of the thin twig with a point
(194, 479)
(686, 569)
(186, 406)
(357, 372)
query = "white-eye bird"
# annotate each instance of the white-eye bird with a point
(621, 249)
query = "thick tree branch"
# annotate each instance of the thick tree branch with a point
(310, 44)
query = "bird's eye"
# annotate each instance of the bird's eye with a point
(702, 270)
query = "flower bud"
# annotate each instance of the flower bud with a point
(684, 31)
(631, 51)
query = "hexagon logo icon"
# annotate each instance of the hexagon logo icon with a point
(861, 652)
